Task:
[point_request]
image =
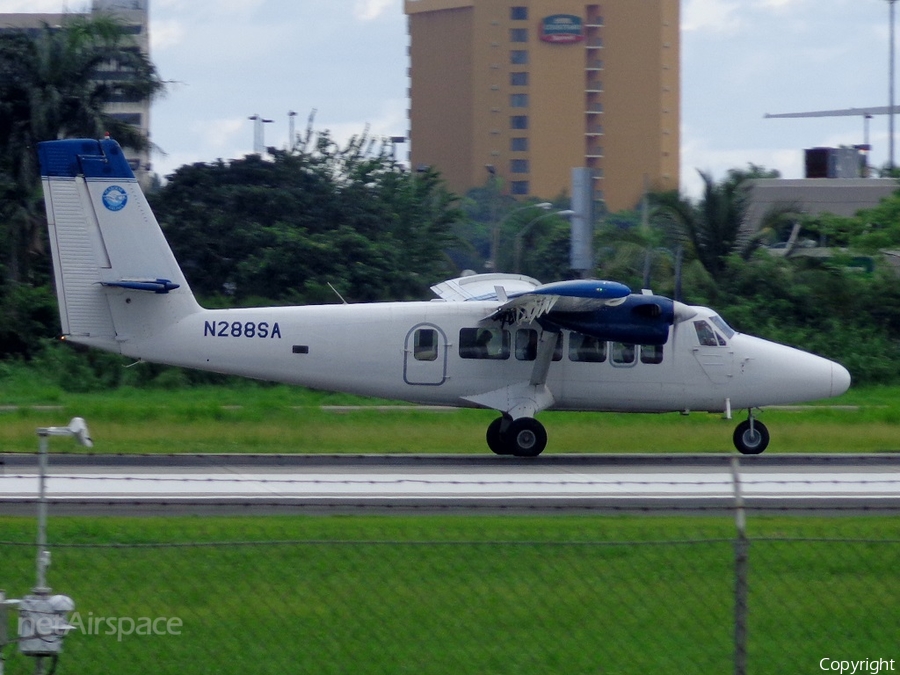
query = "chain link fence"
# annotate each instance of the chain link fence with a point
(589, 590)
(467, 593)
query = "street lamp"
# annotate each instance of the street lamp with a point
(78, 429)
(259, 145)
(42, 617)
(495, 233)
(891, 88)
(520, 235)
(394, 141)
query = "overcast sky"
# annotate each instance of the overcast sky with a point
(229, 59)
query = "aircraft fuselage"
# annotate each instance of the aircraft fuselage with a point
(417, 352)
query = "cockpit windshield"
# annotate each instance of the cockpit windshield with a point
(722, 326)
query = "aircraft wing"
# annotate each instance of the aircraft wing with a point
(485, 287)
(576, 296)
(605, 310)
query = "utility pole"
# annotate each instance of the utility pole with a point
(891, 4)
(292, 142)
(259, 144)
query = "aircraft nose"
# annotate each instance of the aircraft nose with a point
(840, 379)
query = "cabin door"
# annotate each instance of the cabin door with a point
(713, 353)
(425, 355)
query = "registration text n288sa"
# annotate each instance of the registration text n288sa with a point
(242, 329)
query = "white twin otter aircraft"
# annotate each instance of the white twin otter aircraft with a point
(496, 341)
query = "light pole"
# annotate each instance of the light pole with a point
(520, 235)
(891, 89)
(394, 141)
(498, 225)
(259, 144)
(42, 617)
(292, 141)
(78, 429)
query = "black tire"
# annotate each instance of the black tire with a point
(751, 442)
(525, 437)
(495, 438)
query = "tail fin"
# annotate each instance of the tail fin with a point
(116, 277)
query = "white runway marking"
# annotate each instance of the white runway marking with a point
(473, 484)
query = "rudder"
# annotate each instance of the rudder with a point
(116, 277)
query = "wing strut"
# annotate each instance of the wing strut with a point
(545, 348)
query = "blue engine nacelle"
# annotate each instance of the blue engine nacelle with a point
(638, 319)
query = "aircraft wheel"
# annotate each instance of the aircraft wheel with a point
(525, 437)
(751, 441)
(495, 437)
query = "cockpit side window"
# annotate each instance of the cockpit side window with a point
(705, 334)
(719, 323)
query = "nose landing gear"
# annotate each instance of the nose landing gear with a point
(522, 437)
(751, 437)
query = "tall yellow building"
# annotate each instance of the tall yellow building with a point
(530, 89)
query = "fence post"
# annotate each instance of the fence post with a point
(741, 560)
(741, 556)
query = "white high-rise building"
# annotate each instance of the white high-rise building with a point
(134, 16)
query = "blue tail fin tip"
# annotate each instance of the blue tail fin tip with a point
(84, 157)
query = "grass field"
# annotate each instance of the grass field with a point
(253, 418)
(458, 594)
(451, 594)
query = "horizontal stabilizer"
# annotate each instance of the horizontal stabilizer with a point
(155, 285)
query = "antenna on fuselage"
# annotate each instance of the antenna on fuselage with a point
(336, 293)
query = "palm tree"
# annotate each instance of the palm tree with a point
(55, 85)
(715, 227)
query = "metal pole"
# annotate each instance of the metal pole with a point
(891, 89)
(3, 621)
(741, 588)
(42, 554)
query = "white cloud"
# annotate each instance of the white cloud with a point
(39, 6)
(697, 155)
(389, 120)
(217, 135)
(166, 33)
(716, 16)
(367, 10)
(780, 4)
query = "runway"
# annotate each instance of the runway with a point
(220, 484)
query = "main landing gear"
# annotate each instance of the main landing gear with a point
(522, 437)
(751, 437)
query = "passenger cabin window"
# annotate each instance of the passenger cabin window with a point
(707, 336)
(586, 348)
(651, 353)
(425, 344)
(622, 354)
(483, 343)
(527, 342)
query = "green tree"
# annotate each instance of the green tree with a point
(285, 227)
(51, 87)
(715, 227)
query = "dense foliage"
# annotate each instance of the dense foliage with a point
(284, 227)
(287, 226)
(48, 90)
